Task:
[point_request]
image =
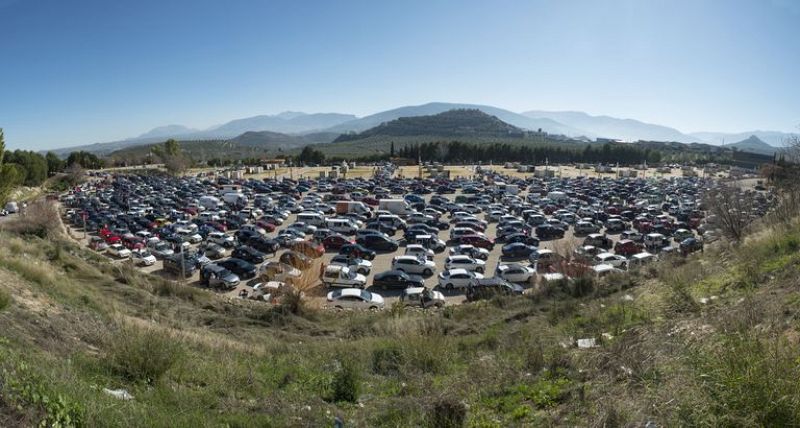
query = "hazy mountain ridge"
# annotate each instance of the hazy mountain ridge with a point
(611, 127)
(429, 109)
(573, 124)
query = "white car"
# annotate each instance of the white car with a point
(192, 237)
(610, 259)
(355, 298)
(470, 250)
(465, 262)
(414, 265)
(117, 250)
(419, 251)
(221, 239)
(422, 297)
(143, 258)
(361, 266)
(342, 276)
(515, 272)
(458, 278)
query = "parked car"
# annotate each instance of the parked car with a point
(515, 272)
(411, 264)
(342, 276)
(119, 251)
(143, 257)
(458, 278)
(361, 266)
(465, 262)
(615, 260)
(335, 242)
(422, 297)
(518, 250)
(397, 279)
(249, 254)
(354, 298)
(212, 275)
(470, 250)
(357, 250)
(242, 268)
(487, 288)
(298, 260)
(378, 243)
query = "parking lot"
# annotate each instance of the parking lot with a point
(122, 208)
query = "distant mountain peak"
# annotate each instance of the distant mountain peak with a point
(166, 131)
(289, 115)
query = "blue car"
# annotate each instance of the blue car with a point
(517, 250)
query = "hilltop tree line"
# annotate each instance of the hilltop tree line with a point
(456, 152)
(28, 168)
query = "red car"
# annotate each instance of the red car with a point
(218, 226)
(371, 201)
(133, 243)
(477, 241)
(627, 248)
(112, 239)
(334, 242)
(267, 226)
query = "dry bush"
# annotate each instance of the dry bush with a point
(39, 218)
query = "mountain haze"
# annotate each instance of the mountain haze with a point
(753, 144)
(611, 127)
(773, 138)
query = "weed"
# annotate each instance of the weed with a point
(142, 354)
(447, 413)
(346, 382)
(5, 299)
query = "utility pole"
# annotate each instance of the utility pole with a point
(183, 265)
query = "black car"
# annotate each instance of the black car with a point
(487, 288)
(243, 269)
(377, 242)
(546, 231)
(265, 245)
(396, 279)
(357, 250)
(249, 254)
(523, 238)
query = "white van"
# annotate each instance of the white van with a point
(314, 219)
(654, 240)
(341, 225)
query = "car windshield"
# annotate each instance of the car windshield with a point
(366, 295)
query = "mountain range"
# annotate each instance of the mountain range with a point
(328, 126)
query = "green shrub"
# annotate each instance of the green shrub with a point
(5, 299)
(751, 381)
(447, 413)
(346, 383)
(387, 360)
(581, 286)
(142, 355)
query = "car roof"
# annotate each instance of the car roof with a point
(350, 292)
(459, 271)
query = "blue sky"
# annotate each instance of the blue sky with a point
(77, 72)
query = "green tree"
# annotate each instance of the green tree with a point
(54, 163)
(311, 155)
(85, 160)
(172, 156)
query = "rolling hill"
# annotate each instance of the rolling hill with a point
(773, 138)
(518, 120)
(459, 123)
(753, 144)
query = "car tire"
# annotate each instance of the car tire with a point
(427, 272)
(479, 270)
(448, 286)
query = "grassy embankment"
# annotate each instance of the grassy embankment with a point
(710, 340)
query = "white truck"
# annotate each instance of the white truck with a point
(209, 202)
(235, 198)
(342, 276)
(395, 206)
(358, 207)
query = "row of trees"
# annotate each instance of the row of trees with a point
(456, 151)
(28, 168)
